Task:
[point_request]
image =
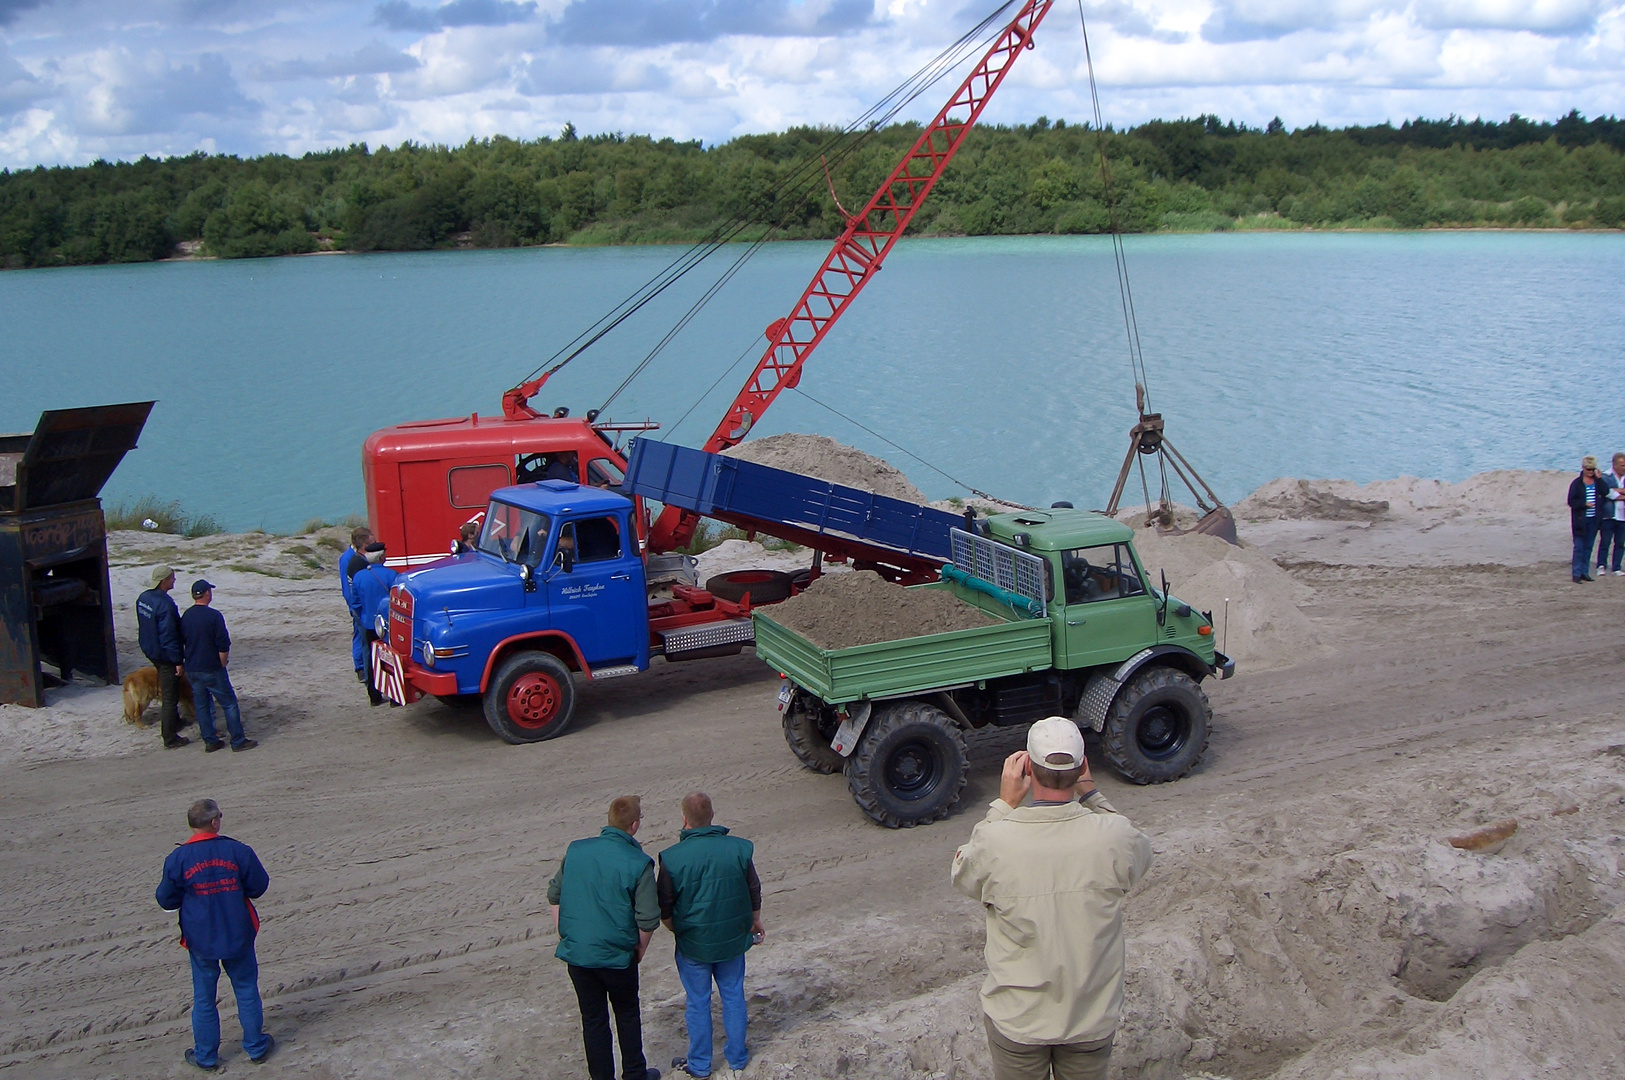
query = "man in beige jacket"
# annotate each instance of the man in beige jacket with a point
(1052, 877)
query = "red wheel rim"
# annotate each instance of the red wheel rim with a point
(533, 700)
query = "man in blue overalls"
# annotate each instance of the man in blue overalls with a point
(369, 591)
(359, 539)
(212, 880)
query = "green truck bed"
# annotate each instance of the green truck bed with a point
(908, 665)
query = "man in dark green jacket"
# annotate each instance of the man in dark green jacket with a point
(605, 910)
(711, 898)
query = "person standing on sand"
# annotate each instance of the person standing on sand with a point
(605, 910)
(1052, 877)
(212, 880)
(1588, 500)
(1612, 525)
(351, 560)
(158, 629)
(369, 589)
(711, 899)
(208, 649)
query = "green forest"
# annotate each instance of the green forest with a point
(1196, 175)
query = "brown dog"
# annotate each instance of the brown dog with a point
(141, 690)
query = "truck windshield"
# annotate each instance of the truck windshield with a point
(510, 530)
(1099, 573)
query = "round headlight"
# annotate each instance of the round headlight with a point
(381, 628)
(428, 654)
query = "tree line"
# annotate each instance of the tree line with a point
(1043, 177)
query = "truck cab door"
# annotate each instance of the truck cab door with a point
(1109, 614)
(596, 593)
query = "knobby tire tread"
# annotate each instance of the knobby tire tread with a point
(1115, 738)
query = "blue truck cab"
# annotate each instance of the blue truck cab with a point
(555, 586)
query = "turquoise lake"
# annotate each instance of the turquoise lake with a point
(1001, 361)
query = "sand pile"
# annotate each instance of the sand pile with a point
(862, 608)
(1265, 627)
(1300, 499)
(823, 457)
(1501, 493)
(1502, 518)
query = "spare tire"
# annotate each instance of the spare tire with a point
(763, 586)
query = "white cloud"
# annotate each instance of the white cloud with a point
(87, 78)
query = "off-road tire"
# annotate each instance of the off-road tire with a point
(909, 768)
(764, 586)
(530, 698)
(1157, 729)
(804, 730)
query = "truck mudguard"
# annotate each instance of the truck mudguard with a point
(1101, 689)
(580, 664)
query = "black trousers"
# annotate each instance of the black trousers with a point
(597, 991)
(169, 702)
(374, 695)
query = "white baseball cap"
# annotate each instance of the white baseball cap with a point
(1055, 735)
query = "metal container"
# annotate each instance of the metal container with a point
(56, 606)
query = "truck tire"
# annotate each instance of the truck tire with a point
(809, 731)
(531, 697)
(1157, 729)
(910, 767)
(764, 586)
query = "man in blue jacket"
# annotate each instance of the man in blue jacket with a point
(360, 537)
(158, 629)
(605, 910)
(369, 591)
(213, 880)
(711, 898)
(208, 649)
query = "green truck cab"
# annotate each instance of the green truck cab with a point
(1080, 632)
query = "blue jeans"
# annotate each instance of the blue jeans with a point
(1609, 530)
(207, 688)
(730, 979)
(1584, 540)
(244, 973)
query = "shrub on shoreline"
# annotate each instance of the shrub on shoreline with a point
(167, 517)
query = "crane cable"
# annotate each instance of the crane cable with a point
(877, 115)
(798, 176)
(1125, 291)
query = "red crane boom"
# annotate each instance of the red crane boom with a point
(858, 253)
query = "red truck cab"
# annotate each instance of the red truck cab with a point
(424, 479)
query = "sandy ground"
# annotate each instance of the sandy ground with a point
(1305, 917)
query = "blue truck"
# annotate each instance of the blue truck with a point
(558, 586)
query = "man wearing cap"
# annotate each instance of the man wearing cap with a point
(605, 909)
(208, 649)
(1052, 877)
(352, 559)
(213, 880)
(158, 630)
(1588, 501)
(369, 590)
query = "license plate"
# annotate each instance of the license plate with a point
(785, 693)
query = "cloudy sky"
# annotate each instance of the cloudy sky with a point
(81, 79)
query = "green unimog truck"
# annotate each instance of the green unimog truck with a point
(1078, 632)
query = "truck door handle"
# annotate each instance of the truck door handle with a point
(620, 577)
(1076, 622)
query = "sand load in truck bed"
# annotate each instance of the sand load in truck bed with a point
(862, 608)
(823, 457)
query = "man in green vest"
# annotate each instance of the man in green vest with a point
(711, 898)
(605, 910)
